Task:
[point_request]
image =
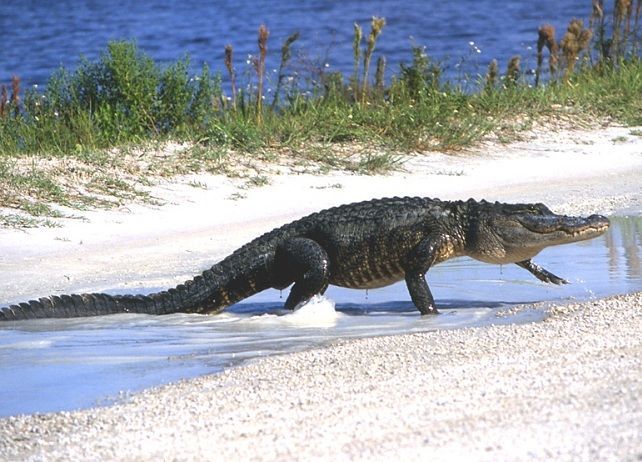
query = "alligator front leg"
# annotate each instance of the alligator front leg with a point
(540, 273)
(306, 263)
(421, 258)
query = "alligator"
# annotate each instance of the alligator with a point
(361, 245)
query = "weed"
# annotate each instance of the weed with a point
(229, 52)
(236, 196)
(264, 33)
(546, 38)
(330, 186)
(4, 100)
(491, 76)
(356, 51)
(375, 29)
(256, 181)
(286, 54)
(198, 184)
(513, 72)
(377, 162)
(575, 41)
(13, 220)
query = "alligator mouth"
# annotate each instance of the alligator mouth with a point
(571, 226)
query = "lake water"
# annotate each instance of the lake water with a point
(64, 364)
(39, 36)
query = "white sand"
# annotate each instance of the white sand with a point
(565, 389)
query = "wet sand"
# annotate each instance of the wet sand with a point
(568, 388)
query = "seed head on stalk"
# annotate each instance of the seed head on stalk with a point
(230, 69)
(4, 98)
(263, 37)
(356, 49)
(15, 94)
(375, 29)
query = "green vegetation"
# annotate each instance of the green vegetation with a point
(93, 135)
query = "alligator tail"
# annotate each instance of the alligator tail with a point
(209, 293)
(192, 296)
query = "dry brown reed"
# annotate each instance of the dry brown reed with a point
(546, 38)
(263, 37)
(15, 94)
(4, 99)
(622, 14)
(576, 40)
(636, 27)
(356, 50)
(376, 27)
(513, 71)
(491, 76)
(597, 25)
(598, 10)
(286, 54)
(380, 75)
(625, 40)
(229, 52)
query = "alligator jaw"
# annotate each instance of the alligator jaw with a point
(561, 229)
(507, 236)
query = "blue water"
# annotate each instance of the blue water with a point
(40, 36)
(64, 364)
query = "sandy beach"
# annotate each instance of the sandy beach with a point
(568, 388)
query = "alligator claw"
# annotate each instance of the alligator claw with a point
(541, 274)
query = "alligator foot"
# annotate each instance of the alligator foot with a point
(540, 273)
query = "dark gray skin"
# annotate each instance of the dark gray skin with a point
(360, 246)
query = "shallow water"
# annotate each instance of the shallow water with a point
(64, 364)
(41, 36)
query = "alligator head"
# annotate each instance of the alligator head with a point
(511, 233)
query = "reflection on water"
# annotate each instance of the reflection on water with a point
(58, 364)
(630, 241)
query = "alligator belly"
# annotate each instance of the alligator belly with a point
(363, 278)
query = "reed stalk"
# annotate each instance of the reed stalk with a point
(286, 54)
(4, 98)
(375, 29)
(15, 94)
(513, 72)
(263, 37)
(636, 27)
(621, 26)
(230, 70)
(597, 25)
(546, 38)
(380, 75)
(356, 50)
(491, 76)
(576, 40)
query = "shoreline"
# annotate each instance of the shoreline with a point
(565, 388)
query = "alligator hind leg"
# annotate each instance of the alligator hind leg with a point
(306, 263)
(420, 293)
(540, 273)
